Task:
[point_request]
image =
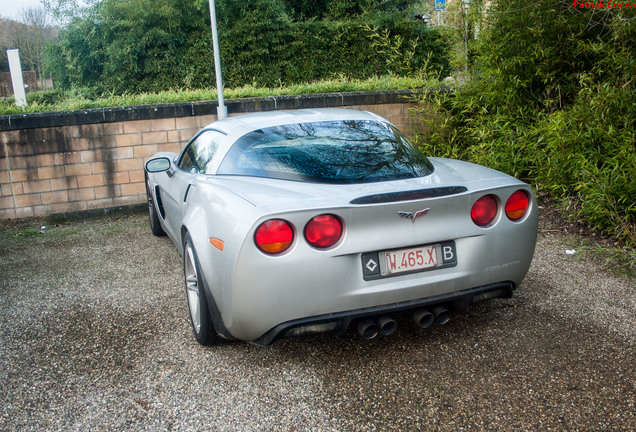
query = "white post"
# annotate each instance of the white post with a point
(16, 77)
(222, 109)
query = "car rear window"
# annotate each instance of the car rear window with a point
(352, 151)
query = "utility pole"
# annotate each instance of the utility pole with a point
(221, 111)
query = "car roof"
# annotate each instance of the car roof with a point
(242, 124)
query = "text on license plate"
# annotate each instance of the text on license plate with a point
(417, 258)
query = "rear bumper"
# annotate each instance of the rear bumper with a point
(337, 323)
(262, 297)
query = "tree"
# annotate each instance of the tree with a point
(146, 46)
(145, 42)
(7, 30)
(344, 9)
(65, 11)
(130, 46)
(553, 102)
(31, 37)
(78, 57)
(538, 51)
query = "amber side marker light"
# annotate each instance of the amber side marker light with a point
(219, 244)
(517, 205)
(274, 236)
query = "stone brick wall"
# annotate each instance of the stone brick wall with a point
(93, 159)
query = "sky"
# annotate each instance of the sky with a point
(12, 8)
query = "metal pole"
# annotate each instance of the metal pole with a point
(221, 111)
(466, 5)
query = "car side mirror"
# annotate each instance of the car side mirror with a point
(158, 165)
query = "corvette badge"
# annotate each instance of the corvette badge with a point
(411, 215)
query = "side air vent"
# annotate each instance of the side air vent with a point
(162, 212)
(409, 195)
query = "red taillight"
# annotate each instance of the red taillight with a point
(517, 205)
(323, 231)
(484, 210)
(274, 236)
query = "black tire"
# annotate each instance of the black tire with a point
(155, 225)
(198, 310)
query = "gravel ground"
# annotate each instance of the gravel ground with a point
(94, 335)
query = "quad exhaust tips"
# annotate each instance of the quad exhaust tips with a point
(369, 328)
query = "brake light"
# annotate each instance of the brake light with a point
(323, 231)
(517, 205)
(274, 236)
(484, 210)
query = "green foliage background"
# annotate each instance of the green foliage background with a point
(552, 102)
(147, 46)
(550, 97)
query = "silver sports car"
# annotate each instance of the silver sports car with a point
(293, 223)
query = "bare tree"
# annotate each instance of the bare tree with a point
(7, 30)
(30, 37)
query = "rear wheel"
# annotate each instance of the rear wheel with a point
(155, 225)
(200, 317)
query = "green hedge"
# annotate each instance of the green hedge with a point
(135, 46)
(312, 51)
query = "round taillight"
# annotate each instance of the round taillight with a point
(323, 231)
(484, 210)
(517, 205)
(274, 236)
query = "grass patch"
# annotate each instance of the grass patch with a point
(28, 233)
(76, 99)
(67, 227)
(37, 230)
(613, 258)
(620, 261)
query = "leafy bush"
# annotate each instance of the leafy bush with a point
(84, 98)
(47, 97)
(554, 104)
(137, 46)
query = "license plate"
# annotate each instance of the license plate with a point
(412, 259)
(376, 265)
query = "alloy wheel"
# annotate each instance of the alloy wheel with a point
(192, 288)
